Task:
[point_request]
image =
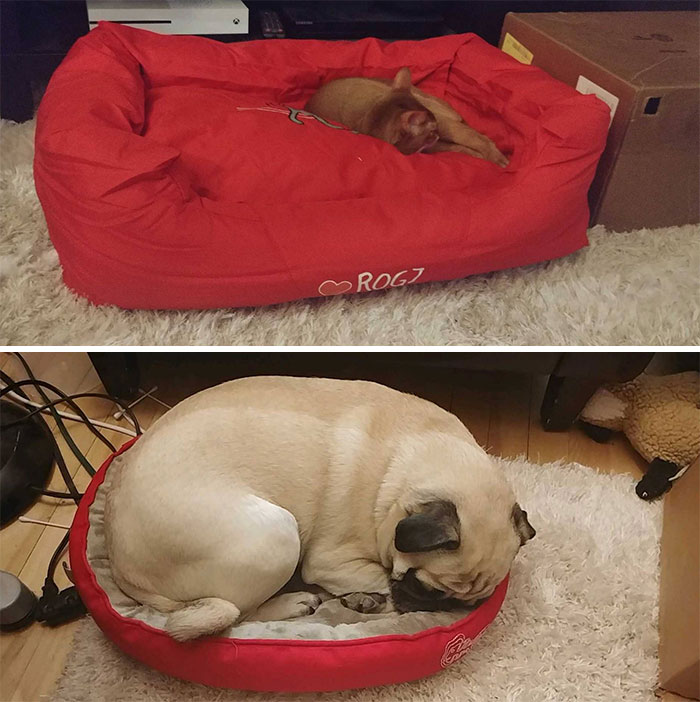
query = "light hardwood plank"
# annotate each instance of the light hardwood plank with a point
(614, 456)
(671, 697)
(4, 359)
(70, 371)
(543, 446)
(471, 402)
(510, 417)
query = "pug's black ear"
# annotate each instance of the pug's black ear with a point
(522, 526)
(431, 526)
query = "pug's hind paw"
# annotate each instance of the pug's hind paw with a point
(365, 602)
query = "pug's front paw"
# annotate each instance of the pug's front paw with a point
(365, 602)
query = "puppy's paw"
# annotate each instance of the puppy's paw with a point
(500, 159)
(494, 155)
(289, 605)
(364, 602)
(299, 604)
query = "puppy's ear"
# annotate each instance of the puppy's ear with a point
(414, 122)
(431, 526)
(522, 526)
(402, 80)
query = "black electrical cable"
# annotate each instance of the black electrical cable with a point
(75, 494)
(59, 422)
(52, 493)
(57, 555)
(67, 398)
(70, 401)
(57, 418)
(63, 468)
(9, 381)
(57, 606)
(123, 406)
(15, 386)
(50, 589)
(50, 404)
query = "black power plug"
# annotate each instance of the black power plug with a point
(58, 607)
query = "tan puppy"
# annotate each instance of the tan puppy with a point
(399, 113)
(374, 492)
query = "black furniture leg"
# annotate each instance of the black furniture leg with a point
(564, 399)
(119, 373)
(15, 91)
(599, 434)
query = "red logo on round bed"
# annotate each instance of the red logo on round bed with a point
(456, 648)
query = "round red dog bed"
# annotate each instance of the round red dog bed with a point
(351, 655)
(178, 172)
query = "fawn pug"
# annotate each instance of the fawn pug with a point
(382, 498)
(399, 113)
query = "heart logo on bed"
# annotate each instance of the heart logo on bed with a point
(455, 649)
(330, 287)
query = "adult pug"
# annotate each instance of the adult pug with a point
(375, 493)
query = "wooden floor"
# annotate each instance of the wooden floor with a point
(501, 410)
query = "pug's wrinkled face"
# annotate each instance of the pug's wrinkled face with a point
(437, 566)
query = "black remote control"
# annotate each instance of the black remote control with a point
(271, 25)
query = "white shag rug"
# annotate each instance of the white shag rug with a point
(579, 623)
(635, 288)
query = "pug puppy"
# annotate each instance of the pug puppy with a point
(379, 497)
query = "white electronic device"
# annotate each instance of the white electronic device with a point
(173, 16)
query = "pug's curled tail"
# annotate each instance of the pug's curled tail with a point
(190, 620)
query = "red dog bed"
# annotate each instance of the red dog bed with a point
(178, 172)
(263, 664)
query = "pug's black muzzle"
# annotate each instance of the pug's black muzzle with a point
(410, 595)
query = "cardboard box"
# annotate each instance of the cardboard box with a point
(679, 615)
(646, 67)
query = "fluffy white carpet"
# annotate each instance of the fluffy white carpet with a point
(639, 287)
(579, 622)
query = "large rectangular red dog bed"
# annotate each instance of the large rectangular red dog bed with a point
(179, 172)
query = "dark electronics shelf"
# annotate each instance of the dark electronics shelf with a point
(37, 34)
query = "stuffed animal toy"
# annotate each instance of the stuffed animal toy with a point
(660, 415)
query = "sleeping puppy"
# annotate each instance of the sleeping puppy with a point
(399, 113)
(382, 499)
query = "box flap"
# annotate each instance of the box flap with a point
(646, 49)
